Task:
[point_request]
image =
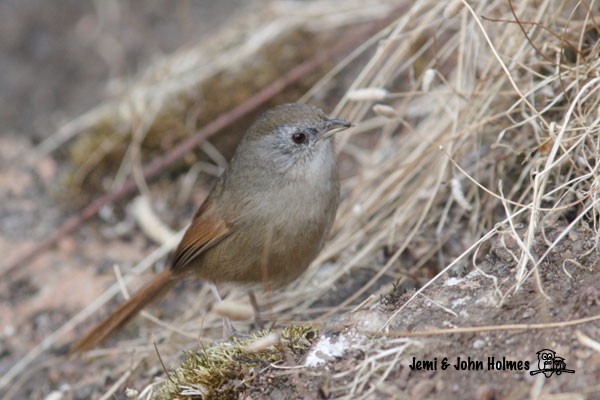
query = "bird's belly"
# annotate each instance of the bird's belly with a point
(275, 249)
(271, 253)
(276, 236)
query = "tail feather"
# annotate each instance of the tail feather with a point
(154, 290)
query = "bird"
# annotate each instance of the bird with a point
(266, 218)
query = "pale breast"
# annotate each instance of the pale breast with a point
(278, 235)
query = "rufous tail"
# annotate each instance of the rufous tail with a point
(152, 291)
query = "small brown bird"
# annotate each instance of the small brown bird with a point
(266, 218)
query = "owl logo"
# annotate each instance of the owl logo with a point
(546, 361)
(549, 363)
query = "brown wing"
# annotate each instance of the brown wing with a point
(205, 231)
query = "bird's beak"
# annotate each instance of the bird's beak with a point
(333, 126)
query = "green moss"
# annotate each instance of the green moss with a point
(224, 370)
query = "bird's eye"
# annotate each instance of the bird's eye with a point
(299, 137)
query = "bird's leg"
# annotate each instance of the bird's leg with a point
(257, 319)
(229, 330)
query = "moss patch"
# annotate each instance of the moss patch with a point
(225, 370)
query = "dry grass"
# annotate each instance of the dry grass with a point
(482, 121)
(495, 136)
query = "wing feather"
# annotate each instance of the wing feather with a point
(205, 231)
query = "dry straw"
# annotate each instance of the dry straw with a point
(509, 136)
